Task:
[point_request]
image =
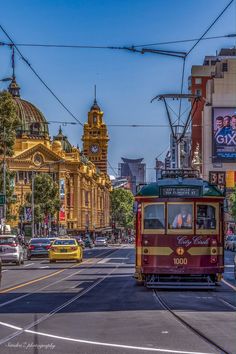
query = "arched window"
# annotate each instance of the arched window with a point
(35, 128)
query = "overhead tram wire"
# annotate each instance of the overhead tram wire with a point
(112, 168)
(208, 29)
(41, 80)
(184, 63)
(75, 46)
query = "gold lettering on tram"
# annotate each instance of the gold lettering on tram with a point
(180, 261)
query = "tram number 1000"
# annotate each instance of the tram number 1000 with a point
(180, 261)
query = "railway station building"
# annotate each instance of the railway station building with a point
(84, 184)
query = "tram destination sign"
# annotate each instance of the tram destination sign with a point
(183, 191)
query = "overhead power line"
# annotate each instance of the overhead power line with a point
(77, 46)
(211, 25)
(37, 75)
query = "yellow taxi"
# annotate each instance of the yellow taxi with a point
(65, 249)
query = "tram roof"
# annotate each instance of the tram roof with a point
(154, 189)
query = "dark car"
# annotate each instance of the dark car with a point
(38, 247)
(88, 242)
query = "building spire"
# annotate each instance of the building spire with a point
(95, 93)
(95, 105)
(13, 88)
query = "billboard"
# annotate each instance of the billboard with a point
(224, 134)
(62, 215)
(27, 214)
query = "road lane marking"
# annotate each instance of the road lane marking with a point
(105, 260)
(57, 309)
(44, 267)
(228, 284)
(27, 265)
(228, 304)
(10, 326)
(5, 270)
(33, 281)
(90, 261)
(113, 344)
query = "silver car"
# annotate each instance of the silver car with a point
(100, 241)
(10, 250)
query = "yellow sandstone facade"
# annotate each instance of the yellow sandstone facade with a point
(84, 185)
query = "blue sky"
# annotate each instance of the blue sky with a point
(125, 81)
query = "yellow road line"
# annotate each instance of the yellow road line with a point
(35, 280)
(7, 290)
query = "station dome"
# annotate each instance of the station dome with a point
(65, 144)
(32, 121)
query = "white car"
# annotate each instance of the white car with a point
(100, 241)
(10, 250)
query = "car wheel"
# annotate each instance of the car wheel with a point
(52, 261)
(18, 262)
(22, 260)
(29, 258)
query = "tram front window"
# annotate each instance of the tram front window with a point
(180, 216)
(206, 217)
(154, 217)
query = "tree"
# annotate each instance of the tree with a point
(8, 123)
(233, 203)
(46, 197)
(122, 207)
(10, 176)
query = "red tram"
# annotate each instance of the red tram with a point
(179, 232)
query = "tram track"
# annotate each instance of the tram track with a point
(35, 280)
(194, 330)
(26, 329)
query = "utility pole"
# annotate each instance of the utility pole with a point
(32, 204)
(4, 180)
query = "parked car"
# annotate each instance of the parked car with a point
(64, 249)
(100, 241)
(10, 249)
(88, 242)
(232, 243)
(38, 247)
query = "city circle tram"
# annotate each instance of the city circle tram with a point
(179, 232)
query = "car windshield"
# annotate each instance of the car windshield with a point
(40, 240)
(100, 239)
(7, 240)
(64, 242)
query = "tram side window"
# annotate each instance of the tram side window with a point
(154, 216)
(180, 216)
(206, 217)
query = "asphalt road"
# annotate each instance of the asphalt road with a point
(96, 307)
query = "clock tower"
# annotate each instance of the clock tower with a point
(95, 138)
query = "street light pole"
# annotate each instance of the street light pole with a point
(4, 180)
(32, 204)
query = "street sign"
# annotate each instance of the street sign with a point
(2, 199)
